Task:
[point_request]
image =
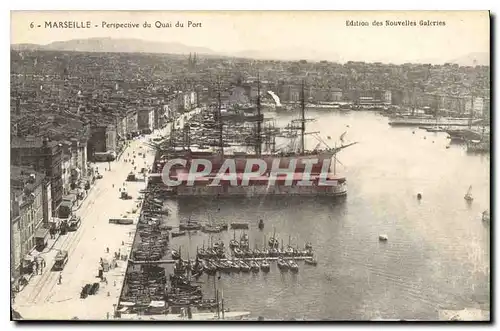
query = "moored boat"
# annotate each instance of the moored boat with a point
(261, 224)
(178, 234)
(289, 251)
(486, 216)
(243, 266)
(235, 267)
(468, 196)
(254, 266)
(175, 255)
(273, 242)
(238, 252)
(165, 227)
(239, 225)
(383, 237)
(211, 229)
(265, 266)
(311, 261)
(282, 265)
(190, 226)
(293, 266)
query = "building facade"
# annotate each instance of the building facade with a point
(146, 119)
(28, 212)
(103, 139)
(132, 125)
(387, 97)
(43, 156)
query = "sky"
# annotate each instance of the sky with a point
(312, 34)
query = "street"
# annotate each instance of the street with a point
(43, 297)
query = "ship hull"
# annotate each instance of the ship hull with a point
(257, 191)
(322, 161)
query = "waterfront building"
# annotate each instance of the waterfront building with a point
(121, 127)
(45, 157)
(15, 246)
(187, 101)
(336, 94)
(30, 229)
(387, 97)
(486, 108)
(66, 172)
(102, 139)
(146, 119)
(132, 127)
(193, 99)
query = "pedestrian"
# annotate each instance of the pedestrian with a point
(60, 278)
(107, 251)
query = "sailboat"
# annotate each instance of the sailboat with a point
(265, 266)
(468, 196)
(217, 159)
(486, 216)
(273, 242)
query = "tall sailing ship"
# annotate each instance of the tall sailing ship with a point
(319, 161)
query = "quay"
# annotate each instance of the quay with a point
(170, 261)
(43, 297)
(433, 122)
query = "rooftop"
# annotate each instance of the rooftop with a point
(22, 178)
(29, 142)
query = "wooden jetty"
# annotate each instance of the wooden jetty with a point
(170, 261)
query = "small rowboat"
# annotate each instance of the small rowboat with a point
(265, 266)
(293, 266)
(282, 265)
(178, 234)
(311, 261)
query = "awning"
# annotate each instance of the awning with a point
(157, 304)
(54, 223)
(127, 304)
(41, 233)
(69, 197)
(29, 258)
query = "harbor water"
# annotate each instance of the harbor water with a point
(437, 253)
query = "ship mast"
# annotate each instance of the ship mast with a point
(219, 118)
(258, 143)
(471, 115)
(303, 120)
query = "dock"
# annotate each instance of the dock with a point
(171, 261)
(433, 122)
